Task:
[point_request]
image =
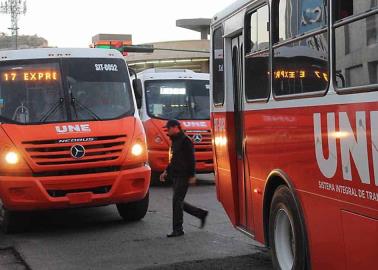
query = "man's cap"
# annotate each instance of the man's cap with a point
(172, 123)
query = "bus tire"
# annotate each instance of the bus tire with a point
(13, 222)
(133, 211)
(286, 234)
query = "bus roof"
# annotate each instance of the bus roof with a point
(166, 70)
(46, 53)
(237, 5)
(172, 74)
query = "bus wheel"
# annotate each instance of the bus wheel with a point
(286, 234)
(133, 211)
(12, 221)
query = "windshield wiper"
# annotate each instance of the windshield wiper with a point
(53, 109)
(74, 101)
(4, 120)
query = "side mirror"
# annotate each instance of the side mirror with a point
(138, 91)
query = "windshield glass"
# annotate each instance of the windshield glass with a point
(98, 88)
(29, 92)
(178, 99)
(63, 90)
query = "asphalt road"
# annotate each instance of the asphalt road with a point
(97, 238)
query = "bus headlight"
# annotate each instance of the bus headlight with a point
(137, 150)
(12, 158)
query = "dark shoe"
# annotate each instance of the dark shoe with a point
(175, 234)
(203, 220)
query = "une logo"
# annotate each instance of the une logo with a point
(355, 145)
(73, 129)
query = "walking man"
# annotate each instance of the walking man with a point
(181, 170)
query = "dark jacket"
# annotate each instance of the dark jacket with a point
(182, 163)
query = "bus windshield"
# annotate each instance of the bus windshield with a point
(36, 91)
(98, 88)
(29, 91)
(178, 99)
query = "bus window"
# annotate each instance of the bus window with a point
(343, 9)
(356, 53)
(258, 30)
(178, 99)
(301, 66)
(287, 19)
(257, 55)
(312, 16)
(28, 92)
(346, 8)
(218, 66)
(101, 93)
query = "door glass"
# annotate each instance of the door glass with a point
(237, 97)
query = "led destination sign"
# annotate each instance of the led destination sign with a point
(26, 76)
(172, 91)
(300, 74)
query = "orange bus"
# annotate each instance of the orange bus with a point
(175, 94)
(70, 134)
(295, 120)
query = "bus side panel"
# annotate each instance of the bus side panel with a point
(275, 141)
(227, 185)
(358, 231)
(216, 178)
(287, 139)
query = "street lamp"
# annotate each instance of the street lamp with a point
(15, 8)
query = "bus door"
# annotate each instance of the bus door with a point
(245, 207)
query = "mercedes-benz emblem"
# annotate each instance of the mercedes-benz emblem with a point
(77, 151)
(197, 138)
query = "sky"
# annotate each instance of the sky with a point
(72, 23)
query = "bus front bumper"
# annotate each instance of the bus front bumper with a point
(204, 162)
(59, 192)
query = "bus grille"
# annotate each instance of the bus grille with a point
(204, 143)
(58, 152)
